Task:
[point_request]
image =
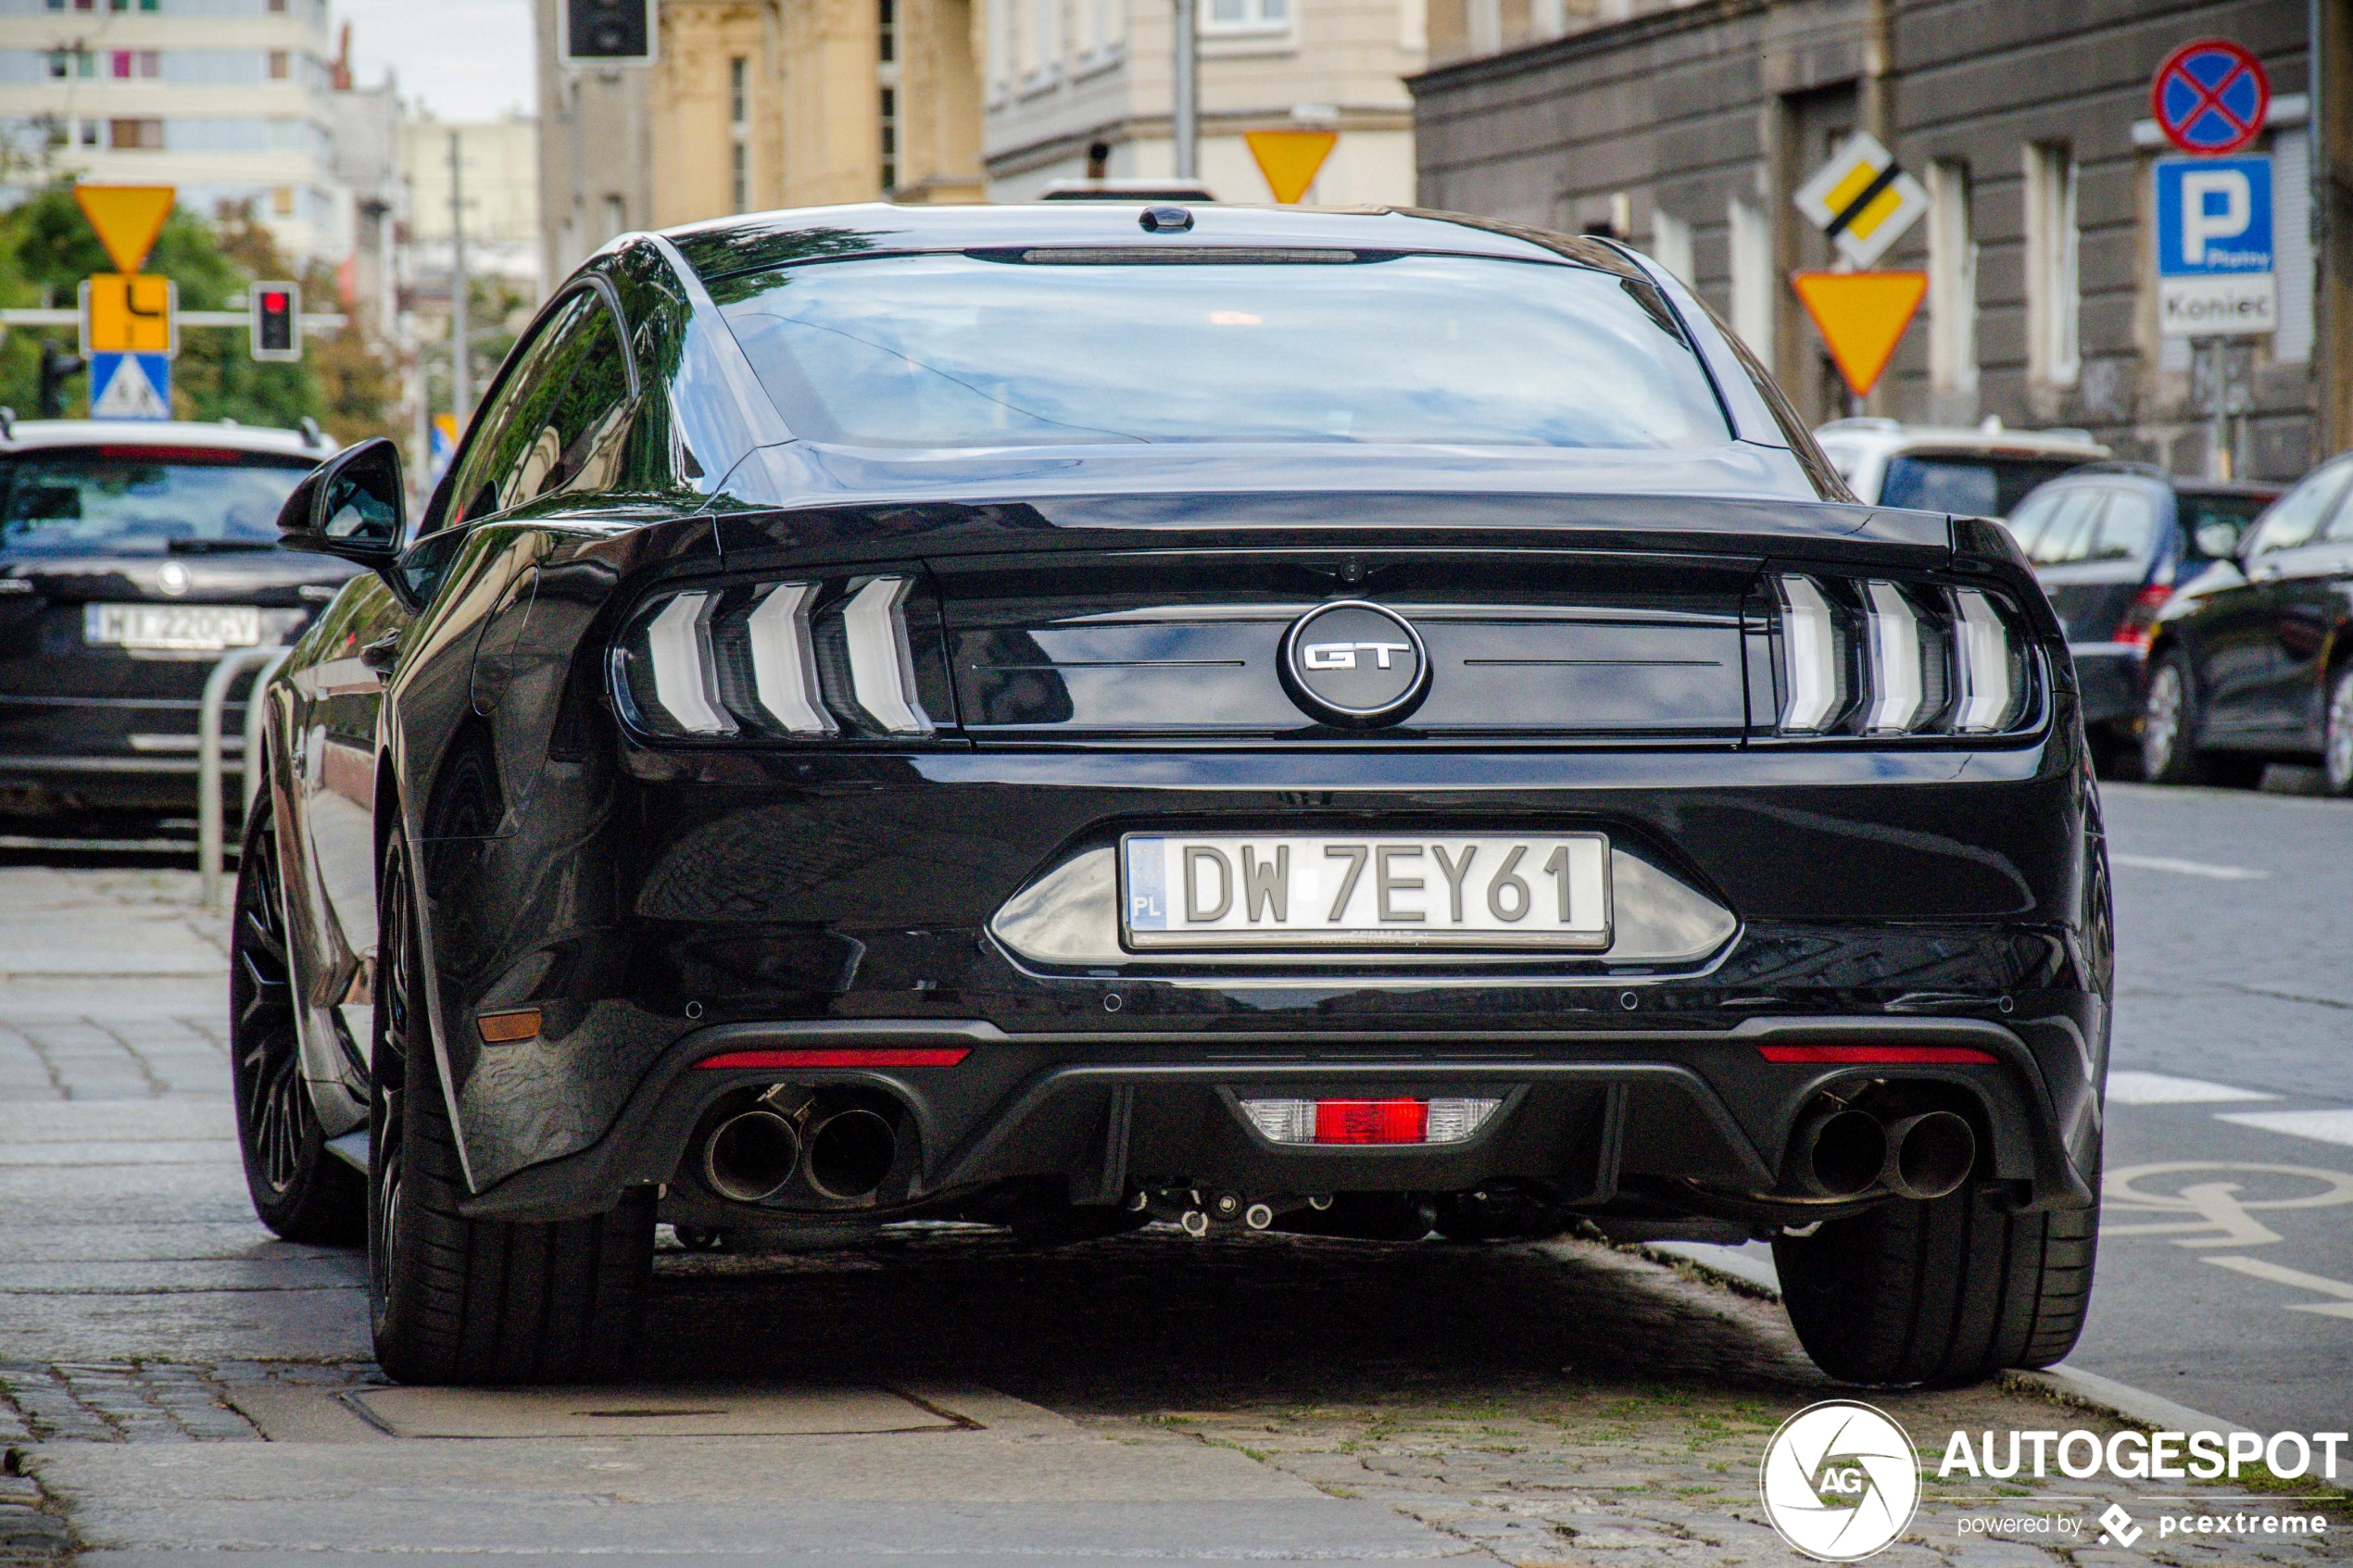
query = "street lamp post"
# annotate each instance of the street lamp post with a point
(1185, 114)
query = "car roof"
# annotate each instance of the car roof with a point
(2156, 475)
(32, 435)
(724, 247)
(1109, 190)
(1888, 437)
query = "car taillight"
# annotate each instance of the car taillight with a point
(1871, 657)
(776, 660)
(2140, 617)
(1453, 1119)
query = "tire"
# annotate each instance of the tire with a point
(299, 1188)
(1943, 1292)
(2169, 732)
(2336, 732)
(455, 1301)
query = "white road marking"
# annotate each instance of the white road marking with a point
(2187, 868)
(2159, 1088)
(2281, 1274)
(2326, 1126)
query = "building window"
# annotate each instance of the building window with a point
(133, 65)
(1952, 280)
(1754, 283)
(67, 63)
(738, 84)
(887, 29)
(281, 65)
(89, 133)
(281, 201)
(1246, 15)
(890, 140)
(135, 135)
(2053, 352)
(741, 173)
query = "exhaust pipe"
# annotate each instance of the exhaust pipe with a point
(1929, 1155)
(1839, 1153)
(850, 1153)
(751, 1156)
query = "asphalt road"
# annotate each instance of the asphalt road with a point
(2226, 1253)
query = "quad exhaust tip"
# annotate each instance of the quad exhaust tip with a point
(751, 1155)
(1845, 1153)
(850, 1153)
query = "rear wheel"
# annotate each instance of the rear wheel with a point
(1944, 1291)
(2336, 744)
(299, 1188)
(2169, 734)
(460, 1301)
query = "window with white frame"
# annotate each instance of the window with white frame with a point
(1044, 41)
(1671, 242)
(1754, 283)
(1246, 15)
(2054, 350)
(1952, 280)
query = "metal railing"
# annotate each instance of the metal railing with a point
(233, 663)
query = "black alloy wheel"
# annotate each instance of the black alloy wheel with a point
(299, 1188)
(457, 1300)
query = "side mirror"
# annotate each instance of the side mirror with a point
(353, 506)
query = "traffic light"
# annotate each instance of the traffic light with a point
(57, 366)
(275, 310)
(608, 33)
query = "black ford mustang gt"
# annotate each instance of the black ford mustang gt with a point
(1358, 723)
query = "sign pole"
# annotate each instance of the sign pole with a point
(2218, 449)
(1184, 119)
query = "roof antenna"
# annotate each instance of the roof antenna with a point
(310, 433)
(7, 424)
(1098, 160)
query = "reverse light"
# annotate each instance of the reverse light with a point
(1444, 1121)
(1809, 638)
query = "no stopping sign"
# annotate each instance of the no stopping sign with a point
(2210, 96)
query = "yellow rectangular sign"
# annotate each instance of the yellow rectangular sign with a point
(129, 313)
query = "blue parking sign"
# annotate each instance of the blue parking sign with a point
(2214, 246)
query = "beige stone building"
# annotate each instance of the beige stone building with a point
(752, 104)
(1063, 75)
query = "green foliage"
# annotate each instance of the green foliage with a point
(47, 247)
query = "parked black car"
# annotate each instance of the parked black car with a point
(2108, 543)
(2249, 662)
(131, 556)
(1071, 715)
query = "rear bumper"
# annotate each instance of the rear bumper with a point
(2113, 679)
(108, 752)
(1597, 1117)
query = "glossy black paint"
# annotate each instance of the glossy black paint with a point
(2265, 632)
(657, 900)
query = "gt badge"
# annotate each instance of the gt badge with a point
(1354, 665)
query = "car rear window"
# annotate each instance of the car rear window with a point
(2233, 513)
(1967, 484)
(1051, 348)
(143, 500)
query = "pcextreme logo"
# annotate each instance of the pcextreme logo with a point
(1840, 1481)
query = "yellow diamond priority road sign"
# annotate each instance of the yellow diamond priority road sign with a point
(1862, 199)
(133, 314)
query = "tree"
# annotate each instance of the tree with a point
(47, 247)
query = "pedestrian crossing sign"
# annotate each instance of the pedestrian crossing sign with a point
(1862, 199)
(129, 386)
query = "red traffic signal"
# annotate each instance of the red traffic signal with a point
(276, 321)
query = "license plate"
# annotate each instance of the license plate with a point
(202, 627)
(1365, 890)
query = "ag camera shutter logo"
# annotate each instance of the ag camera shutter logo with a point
(1840, 1481)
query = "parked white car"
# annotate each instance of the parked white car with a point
(1982, 471)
